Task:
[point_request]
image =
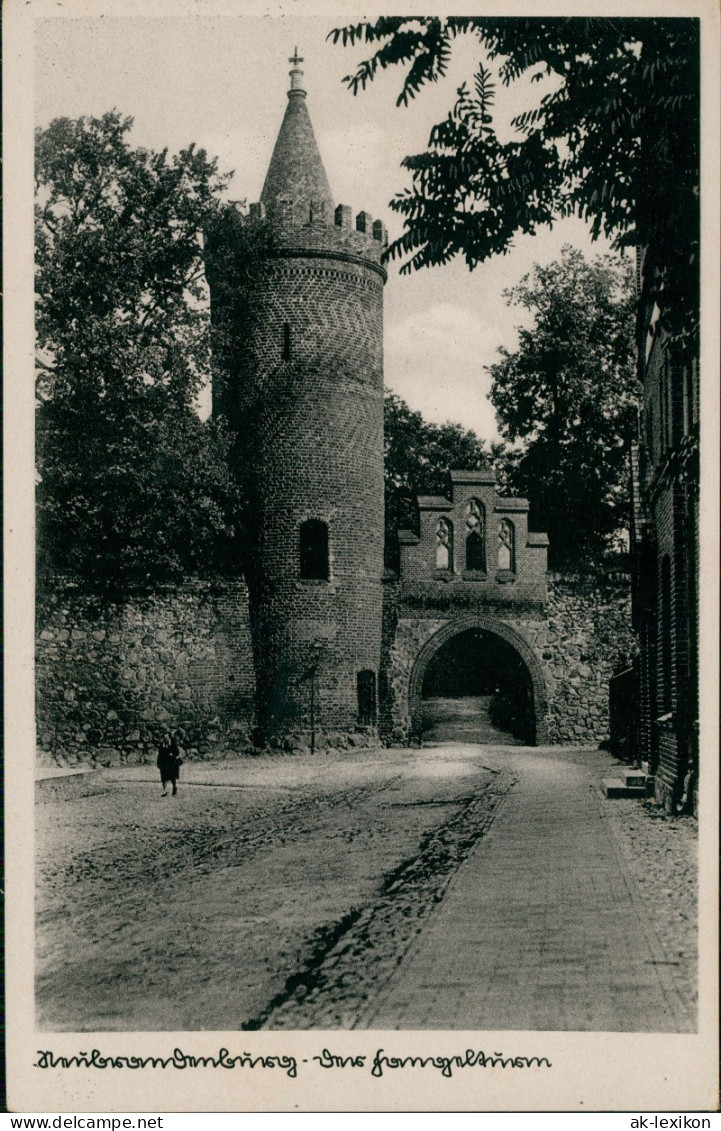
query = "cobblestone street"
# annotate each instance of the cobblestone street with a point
(455, 887)
(547, 932)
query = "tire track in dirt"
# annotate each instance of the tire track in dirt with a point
(104, 882)
(198, 849)
(354, 958)
(235, 898)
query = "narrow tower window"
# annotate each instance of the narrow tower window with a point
(506, 545)
(366, 698)
(314, 550)
(285, 349)
(475, 536)
(444, 544)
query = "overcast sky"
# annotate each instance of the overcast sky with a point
(222, 82)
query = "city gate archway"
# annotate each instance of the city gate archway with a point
(477, 679)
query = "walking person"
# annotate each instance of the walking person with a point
(169, 763)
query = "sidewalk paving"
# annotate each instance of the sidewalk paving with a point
(45, 772)
(540, 929)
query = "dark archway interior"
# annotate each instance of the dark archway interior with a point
(477, 688)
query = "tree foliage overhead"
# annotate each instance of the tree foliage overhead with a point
(569, 395)
(613, 137)
(133, 486)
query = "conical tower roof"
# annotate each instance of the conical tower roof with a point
(296, 170)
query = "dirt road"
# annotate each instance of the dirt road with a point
(286, 891)
(208, 910)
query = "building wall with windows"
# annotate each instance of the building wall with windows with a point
(476, 536)
(665, 519)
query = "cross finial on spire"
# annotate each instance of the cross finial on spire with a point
(296, 75)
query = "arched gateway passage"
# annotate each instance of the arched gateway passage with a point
(478, 679)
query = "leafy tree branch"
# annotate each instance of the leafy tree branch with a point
(613, 138)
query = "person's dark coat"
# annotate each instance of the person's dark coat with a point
(169, 761)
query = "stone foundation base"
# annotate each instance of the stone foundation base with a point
(302, 741)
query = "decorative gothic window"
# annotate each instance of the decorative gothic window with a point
(506, 545)
(285, 345)
(314, 550)
(475, 535)
(444, 544)
(366, 698)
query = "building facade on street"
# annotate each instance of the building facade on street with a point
(664, 541)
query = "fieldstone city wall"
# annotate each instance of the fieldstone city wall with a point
(588, 634)
(112, 676)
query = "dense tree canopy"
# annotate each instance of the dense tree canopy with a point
(569, 395)
(613, 137)
(132, 485)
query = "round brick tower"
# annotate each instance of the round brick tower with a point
(309, 394)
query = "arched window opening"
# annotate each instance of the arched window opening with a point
(444, 544)
(285, 346)
(475, 536)
(366, 698)
(506, 545)
(666, 696)
(314, 551)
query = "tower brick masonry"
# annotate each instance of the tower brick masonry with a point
(309, 395)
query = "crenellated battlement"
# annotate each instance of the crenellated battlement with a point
(296, 202)
(316, 226)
